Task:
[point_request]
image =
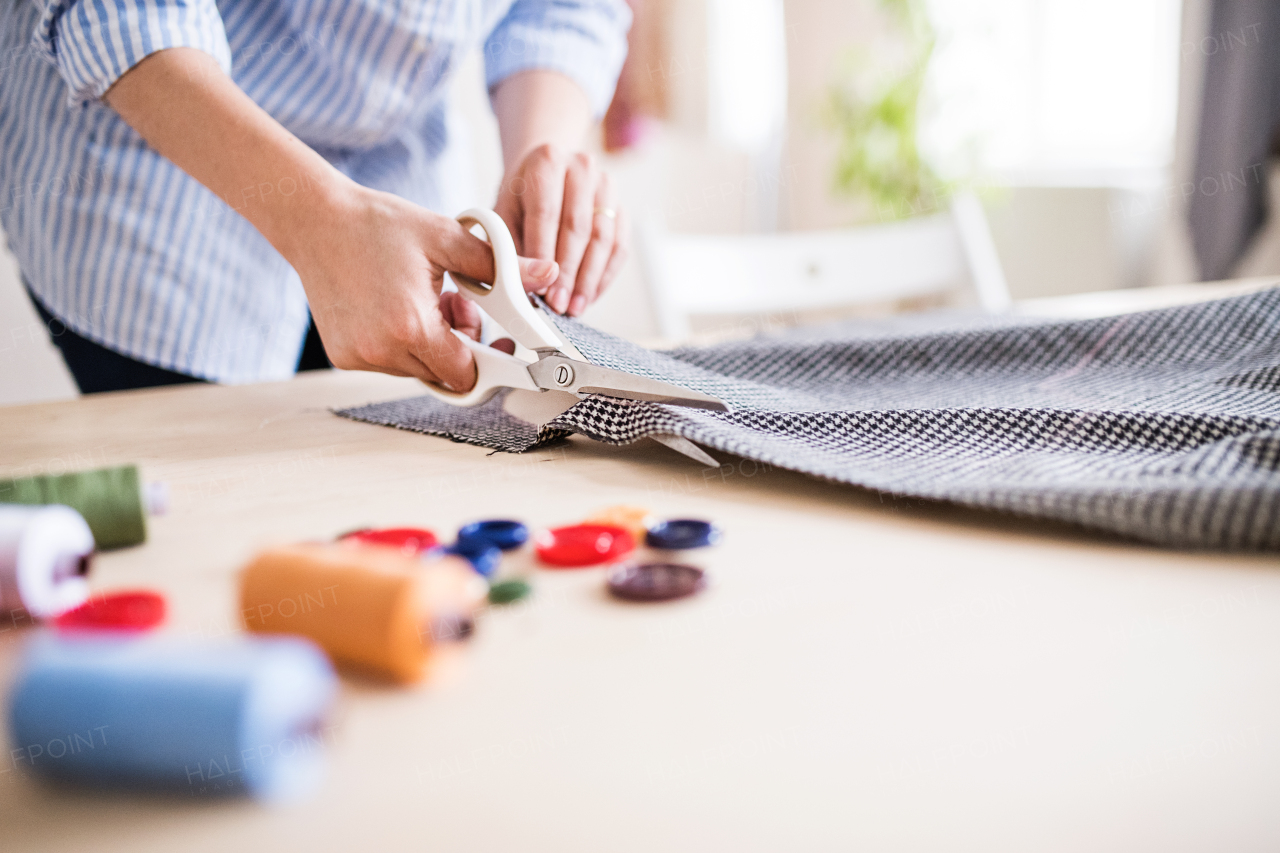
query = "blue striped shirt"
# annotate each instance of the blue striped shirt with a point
(132, 253)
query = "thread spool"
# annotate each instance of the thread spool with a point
(112, 500)
(45, 553)
(186, 718)
(372, 609)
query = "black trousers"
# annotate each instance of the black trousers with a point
(97, 368)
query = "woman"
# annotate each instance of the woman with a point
(182, 179)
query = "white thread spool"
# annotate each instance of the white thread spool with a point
(44, 557)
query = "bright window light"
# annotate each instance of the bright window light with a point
(747, 59)
(1053, 91)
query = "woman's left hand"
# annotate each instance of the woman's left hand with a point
(561, 208)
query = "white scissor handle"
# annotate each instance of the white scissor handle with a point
(495, 370)
(505, 301)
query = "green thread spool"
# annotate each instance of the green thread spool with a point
(110, 499)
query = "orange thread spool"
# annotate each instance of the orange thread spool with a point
(371, 608)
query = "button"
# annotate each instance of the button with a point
(509, 591)
(635, 519)
(482, 556)
(411, 540)
(680, 533)
(655, 581)
(136, 610)
(500, 533)
(583, 545)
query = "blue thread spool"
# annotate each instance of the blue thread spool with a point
(186, 718)
(500, 533)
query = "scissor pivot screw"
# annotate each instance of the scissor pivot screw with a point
(564, 375)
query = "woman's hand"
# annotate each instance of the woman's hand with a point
(373, 265)
(561, 207)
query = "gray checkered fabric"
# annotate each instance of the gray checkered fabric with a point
(1162, 425)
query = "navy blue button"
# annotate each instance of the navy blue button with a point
(497, 532)
(482, 556)
(680, 533)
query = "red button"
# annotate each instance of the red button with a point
(412, 540)
(135, 610)
(583, 545)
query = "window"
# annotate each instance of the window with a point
(1053, 92)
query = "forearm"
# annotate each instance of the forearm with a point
(372, 264)
(539, 107)
(185, 107)
(554, 197)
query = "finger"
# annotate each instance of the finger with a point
(460, 251)
(575, 227)
(538, 274)
(621, 251)
(354, 363)
(540, 188)
(467, 255)
(504, 345)
(461, 314)
(389, 359)
(442, 354)
(599, 250)
(508, 207)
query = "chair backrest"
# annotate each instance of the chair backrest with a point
(691, 275)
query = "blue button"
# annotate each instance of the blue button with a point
(681, 533)
(482, 556)
(497, 532)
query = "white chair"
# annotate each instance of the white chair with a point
(692, 275)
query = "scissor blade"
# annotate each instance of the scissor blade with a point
(585, 378)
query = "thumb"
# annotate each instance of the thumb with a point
(537, 275)
(466, 255)
(446, 359)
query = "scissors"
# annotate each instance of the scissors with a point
(559, 365)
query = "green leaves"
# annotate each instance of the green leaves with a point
(873, 107)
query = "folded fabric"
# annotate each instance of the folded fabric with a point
(1160, 425)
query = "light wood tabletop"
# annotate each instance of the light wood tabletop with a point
(863, 673)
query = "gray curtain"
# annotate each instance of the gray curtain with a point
(1239, 118)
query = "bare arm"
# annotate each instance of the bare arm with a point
(372, 264)
(536, 108)
(181, 102)
(555, 198)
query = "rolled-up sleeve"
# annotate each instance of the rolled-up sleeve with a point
(585, 40)
(94, 42)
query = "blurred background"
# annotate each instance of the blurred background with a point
(1114, 144)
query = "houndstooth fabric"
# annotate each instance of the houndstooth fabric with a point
(1162, 425)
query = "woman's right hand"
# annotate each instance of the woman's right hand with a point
(373, 265)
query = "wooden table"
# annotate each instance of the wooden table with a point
(863, 674)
